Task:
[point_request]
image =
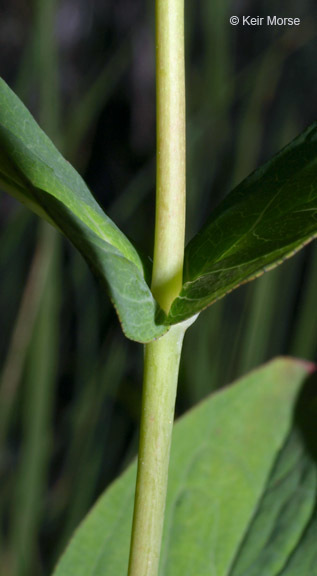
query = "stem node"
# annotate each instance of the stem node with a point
(162, 357)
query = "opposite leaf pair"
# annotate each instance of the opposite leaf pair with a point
(264, 220)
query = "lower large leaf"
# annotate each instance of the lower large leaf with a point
(242, 498)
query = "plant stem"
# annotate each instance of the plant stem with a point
(162, 357)
(159, 392)
(171, 160)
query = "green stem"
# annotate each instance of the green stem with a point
(162, 357)
(160, 382)
(171, 151)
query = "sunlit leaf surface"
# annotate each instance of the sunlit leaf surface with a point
(242, 494)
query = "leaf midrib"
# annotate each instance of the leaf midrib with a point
(236, 243)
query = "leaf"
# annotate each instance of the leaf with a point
(32, 170)
(242, 495)
(267, 218)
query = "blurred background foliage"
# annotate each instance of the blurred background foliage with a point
(70, 383)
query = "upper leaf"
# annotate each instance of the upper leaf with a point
(32, 170)
(242, 493)
(268, 217)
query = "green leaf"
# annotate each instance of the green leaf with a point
(242, 496)
(32, 170)
(267, 218)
